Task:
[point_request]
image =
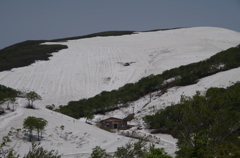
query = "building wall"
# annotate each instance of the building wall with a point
(114, 123)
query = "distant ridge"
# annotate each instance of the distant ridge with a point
(102, 34)
(109, 33)
(164, 29)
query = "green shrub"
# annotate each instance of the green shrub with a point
(98, 152)
(206, 125)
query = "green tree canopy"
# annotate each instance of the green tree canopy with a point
(206, 125)
(32, 123)
(29, 124)
(31, 97)
(98, 152)
(157, 153)
(40, 125)
(39, 152)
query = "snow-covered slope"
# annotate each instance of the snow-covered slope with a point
(92, 65)
(77, 136)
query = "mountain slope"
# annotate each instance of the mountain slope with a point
(92, 65)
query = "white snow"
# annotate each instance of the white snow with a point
(90, 66)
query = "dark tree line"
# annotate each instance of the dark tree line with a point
(6, 92)
(26, 53)
(7, 95)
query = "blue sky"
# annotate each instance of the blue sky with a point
(51, 19)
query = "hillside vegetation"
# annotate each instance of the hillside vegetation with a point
(7, 93)
(206, 125)
(181, 76)
(26, 53)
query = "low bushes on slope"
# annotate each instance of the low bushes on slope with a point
(6, 92)
(206, 125)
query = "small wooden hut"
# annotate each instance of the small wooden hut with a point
(114, 123)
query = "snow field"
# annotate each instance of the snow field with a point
(90, 66)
